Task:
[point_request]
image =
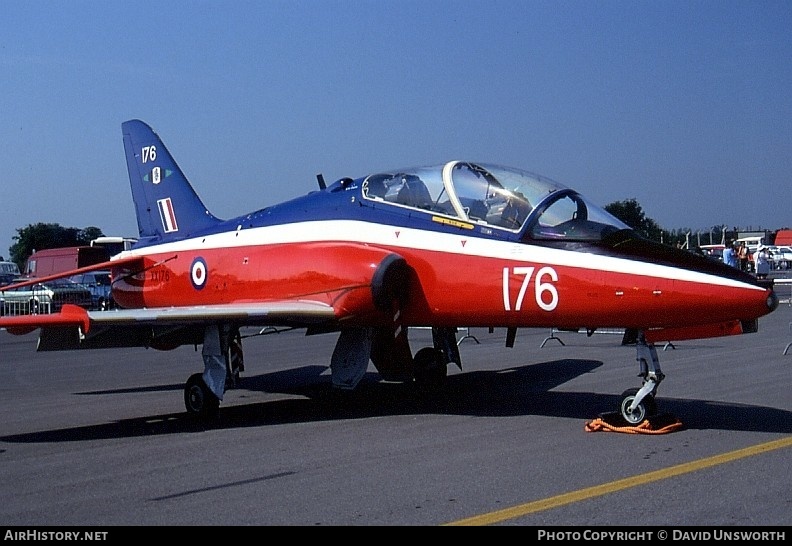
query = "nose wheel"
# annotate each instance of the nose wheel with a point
(647, 407)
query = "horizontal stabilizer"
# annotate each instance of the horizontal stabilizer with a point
(69, 315)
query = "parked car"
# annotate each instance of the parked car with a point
(713, 251)
(8, 272)
(43, 297)
(98, 283)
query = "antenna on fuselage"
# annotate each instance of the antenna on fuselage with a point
(321, 181)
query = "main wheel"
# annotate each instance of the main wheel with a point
(429, 369)
(198, 399)
(645, 409)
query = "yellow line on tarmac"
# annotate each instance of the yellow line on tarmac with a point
(618, 485)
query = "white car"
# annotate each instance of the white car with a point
(43, 298)
(780, 256)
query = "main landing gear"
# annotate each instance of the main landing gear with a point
(637, 404)
(430, 364)
(223, 362)
(430, 367)
(198, 399)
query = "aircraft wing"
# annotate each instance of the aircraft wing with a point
(163, 327)
(301, 312)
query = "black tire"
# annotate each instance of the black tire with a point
(429, 368)
(198, 399)
(647, 407)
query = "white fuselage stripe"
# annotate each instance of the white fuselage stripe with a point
(417, 239)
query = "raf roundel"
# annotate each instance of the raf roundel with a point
(198, 273)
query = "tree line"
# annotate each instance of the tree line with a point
(42, 236)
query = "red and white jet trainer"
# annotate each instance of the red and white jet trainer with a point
(459, 244)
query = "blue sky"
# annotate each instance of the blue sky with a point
(685, 106)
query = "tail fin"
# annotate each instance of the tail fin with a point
(167, 207)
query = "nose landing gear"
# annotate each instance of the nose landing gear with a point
(639, 404)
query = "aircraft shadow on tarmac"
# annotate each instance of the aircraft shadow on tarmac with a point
(516, 391)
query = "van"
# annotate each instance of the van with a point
(57, 260)
(752, 242)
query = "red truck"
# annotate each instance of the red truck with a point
(783, 237)
(57, 260)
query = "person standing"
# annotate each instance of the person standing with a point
(762, 262)
(729, 255)
(743, 257)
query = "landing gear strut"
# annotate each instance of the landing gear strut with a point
(638, 404)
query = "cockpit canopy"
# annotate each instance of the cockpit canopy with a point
(496, 196)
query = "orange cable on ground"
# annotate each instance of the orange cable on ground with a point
(645, 427)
